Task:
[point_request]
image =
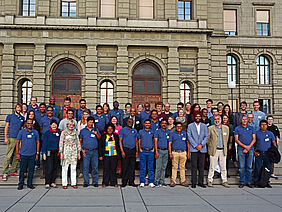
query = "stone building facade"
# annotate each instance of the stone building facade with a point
(109, 40)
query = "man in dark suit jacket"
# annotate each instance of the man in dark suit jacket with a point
(136, 120)
(61, 112)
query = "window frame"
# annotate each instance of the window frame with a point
(27, 88)
(236, 65)
(263, 8)
(28, 8)
(268, 110)
(191, 10)
(190, 89)
(69, 6)
(236, 17)
(100, 10)
(107, 91)
(259, 65)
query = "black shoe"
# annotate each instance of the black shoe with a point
(96, 185)
(133, 185)
(123, 185)
(31, 186)
(202, 185)
(268, 185)
(193, 186)
(85, 185)
(20, 187)
(241, 185)
(249, 185)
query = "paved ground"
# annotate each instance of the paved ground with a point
(141, 199)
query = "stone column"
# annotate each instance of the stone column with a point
(203, 75)
(173, 78)
(8, 81)
(123, 82)
(39, 74)
(91, 80)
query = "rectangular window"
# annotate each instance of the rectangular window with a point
(184, 10)
(263, 23)
(146, 9)
(265, 105)
(28, 7)
(230, 22)
(108, 9)
(68, 8)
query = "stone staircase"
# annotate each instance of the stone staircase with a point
(2, 134)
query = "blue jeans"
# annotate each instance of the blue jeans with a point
(261, 160)
(245, 162)
(26, 161)
(91, 157)
(146, 159)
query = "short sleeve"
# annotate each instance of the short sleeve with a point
(156, 134)
(81, 134)
(98, 133)
(170, 138)
(139, 135)
(121, 134)
(236, 132)
(106, 119)
(36, 136)
(8, 118)
(19, 137)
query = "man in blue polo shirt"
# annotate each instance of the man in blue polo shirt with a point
(258, 115)
(245, 137)
(33, 105)
(89, 147)
(13, 125)
(161, 138)
(146, 113)
(45, 120)
(264, 138)
(100, 119)
(52, 103)
(129, 152)
(27, 151)
(146, 149)
(178, 147)
(80, 110)
(154, 121)
(116, 112)
(41, 112)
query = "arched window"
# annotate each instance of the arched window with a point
(185, 92)
(263, 70)
(25, 91)
(232, 69)
(107, 93)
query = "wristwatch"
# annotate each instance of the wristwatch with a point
(37, 153)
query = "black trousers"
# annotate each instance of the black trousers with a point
(197, 163)
(109, 172)
(128, 166)
(51, 165)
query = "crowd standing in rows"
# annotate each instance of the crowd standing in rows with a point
(161, 140)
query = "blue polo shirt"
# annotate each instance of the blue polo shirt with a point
(264, 140)
(118, 113)
(15, 124)
(45, 123)
(55, 108)
(146, 139)
(28, 142)
(128, 137)
(79, 112)
(36, 109)
(244, 135)
(178, 140)
(154, 126)
(51, 141)
(89, 139)
(163, 137)
(100, 121)
(144, 115)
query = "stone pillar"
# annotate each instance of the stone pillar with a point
(203, 76)
(123, 9)
(123, 81)
(39, 74)
(173, 78)
(91, 80)
(8, 81)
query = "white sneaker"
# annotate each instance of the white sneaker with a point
(142, 185)
(47, 186)
(152, 185)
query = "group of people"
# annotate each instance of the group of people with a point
(161, 140)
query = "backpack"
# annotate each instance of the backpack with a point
(264, 177)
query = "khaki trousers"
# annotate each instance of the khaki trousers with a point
(179, 158)
(219, 155)
(11, 148)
